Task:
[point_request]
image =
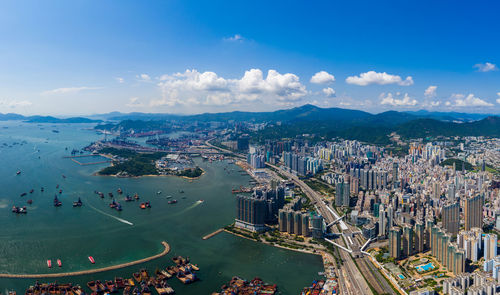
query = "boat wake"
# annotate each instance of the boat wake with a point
(197, 203)
(109, 215)
(4, 203)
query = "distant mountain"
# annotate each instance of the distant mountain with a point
(10, 116)
(449, 116)
(49, 119)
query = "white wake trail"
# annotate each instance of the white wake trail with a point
(112, 216)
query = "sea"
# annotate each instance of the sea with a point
(71, 234)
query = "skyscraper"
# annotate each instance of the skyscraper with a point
(419, 237)
(382, 223)
(395, 242)
(251, 213)
(473, 212)
(451, 218)
(407, 240)
(490, 246)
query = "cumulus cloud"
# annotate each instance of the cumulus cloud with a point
(372, 77)
(68, 90)
(329, 92)
(144, 77)
(15, 103)
(192, 87)
(396, 100)
(120, 80)
(134, 102)
(469, 101)
(235, 38)
(430, 92)
(486, 67)
(322, 77)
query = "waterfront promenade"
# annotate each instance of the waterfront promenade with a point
(90, 271)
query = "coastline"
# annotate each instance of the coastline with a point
(150, 175)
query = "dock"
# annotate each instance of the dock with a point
(90, 271)
(213, 234)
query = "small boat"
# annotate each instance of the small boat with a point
(119, 190)
(91, 259)
(137, 276)
(119, 283)
(31, 191)
(23, 194)
(144, 274)
(101, 195)
(112, 204)
(118, 207)
(111, 286)
(143, 206)
(136, 196)
(57, 186)
(42, 189)
(57, 203)
(30, 201)
(181, 191)
(201, 201)
(18, 172)
(77, 203)
(128, 199)
(59, 263)
(158, 192)
(92, 286)
(49, 263)
(110, 195)
(63, 176)
(60, 191)
(172, 201)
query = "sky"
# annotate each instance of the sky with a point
(88, 57)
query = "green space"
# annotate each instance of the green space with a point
(458, 164)
(136, 164)
(191, 172)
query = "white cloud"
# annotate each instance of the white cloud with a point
(235, 38)
(134, 102)
(498, 99)
(322, 77)
(144, 77)
(68, 90)
(486, 67)
(15, 103)
(372, 77)
(430, 92)
(469, 101)
(434, 103)
(389, 99)
(120, 79)
(193, 87)
(329, 92)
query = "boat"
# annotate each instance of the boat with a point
(49, 263)
(18, 172)
(119, 190)
(126, 291)
(30, 201)
(181, 191)
(77, 203)
(172, 201)
(112, 204)
(137, 276)
(100, 286)
(111, 286)
(144, 274)
(118, 207)
(59, 263)
(119, 283)
(158, 192)
(23, 194)
(128, 199)
(63, 176)
(57, 186)
(57, 203)
(31, 191)
(60, 191)
(42, 189)
(19, 210)
(131, 282)
(145, 205)
(101, 195)
(110, 195)
(91, 259)
(136, 196)
(201, 201)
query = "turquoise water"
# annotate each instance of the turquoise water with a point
(72, 234)
(402, 277)
(425, 267)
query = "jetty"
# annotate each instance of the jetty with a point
(90, 271)
(213, 234)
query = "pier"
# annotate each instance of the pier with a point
(90, 271)
(213, 234)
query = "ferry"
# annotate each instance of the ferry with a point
(49, 263)
(91, 259)
(59, 263)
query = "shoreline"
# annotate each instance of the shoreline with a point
(90, 271)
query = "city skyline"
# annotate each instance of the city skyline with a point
(63, 58)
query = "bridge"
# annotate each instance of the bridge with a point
(335, 221)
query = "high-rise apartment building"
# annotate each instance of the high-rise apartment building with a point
(473, 212)
(451, 218)
(395, 242)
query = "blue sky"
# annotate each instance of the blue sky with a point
(84, 57)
